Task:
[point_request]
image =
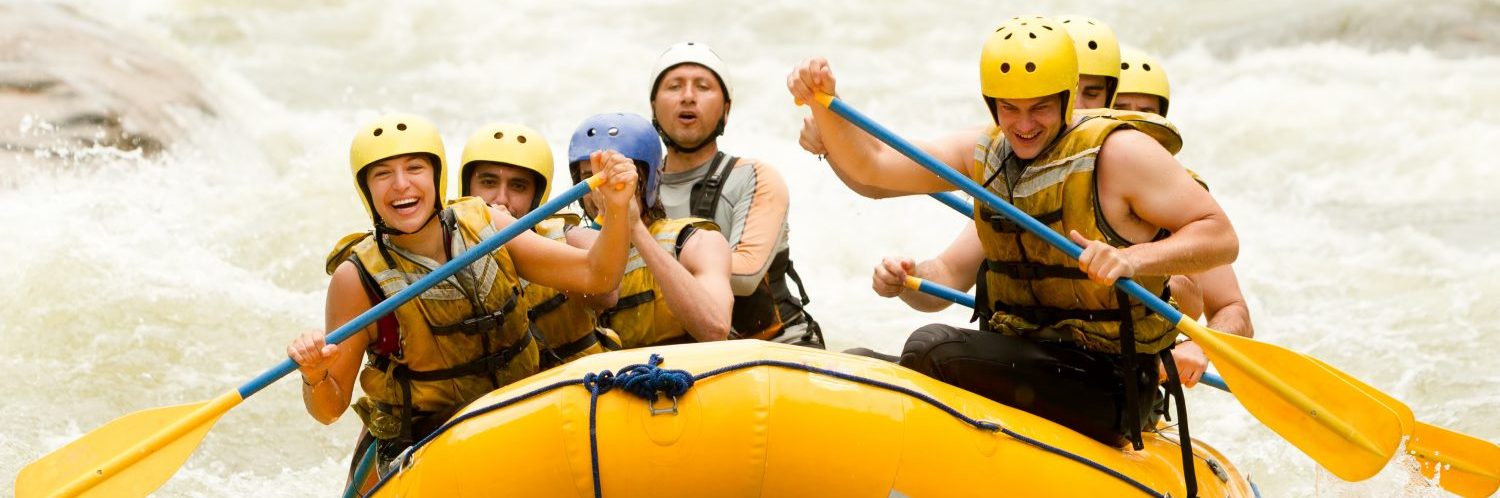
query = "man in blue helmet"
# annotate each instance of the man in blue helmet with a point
(676, 284)
(690, 100)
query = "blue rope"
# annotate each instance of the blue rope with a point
(644, 381)
(649, 380)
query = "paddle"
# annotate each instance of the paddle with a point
(1469, 466)
(1339, 426)
(134, 454)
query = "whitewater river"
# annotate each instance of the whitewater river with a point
(1351, 142)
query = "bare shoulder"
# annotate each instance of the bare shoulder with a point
(347, 295)
(345, 280)
(703, 248)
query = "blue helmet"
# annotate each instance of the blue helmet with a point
(628, 134)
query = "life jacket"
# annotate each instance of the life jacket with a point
(567, 329)
(460, 339)
(765, 313)
(1029, 288)
(641, 316)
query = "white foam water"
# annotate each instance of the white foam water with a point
(1348, 140)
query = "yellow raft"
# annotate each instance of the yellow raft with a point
(797, 422)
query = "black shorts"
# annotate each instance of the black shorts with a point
(1079, 389)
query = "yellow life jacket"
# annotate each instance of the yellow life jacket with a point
(641, 316)
(568, 329)
(1029, 288)
(460, 339)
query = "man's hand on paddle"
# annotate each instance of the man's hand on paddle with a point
(890, 275)
(810, 78)
(1191, 363)
(1103, 262)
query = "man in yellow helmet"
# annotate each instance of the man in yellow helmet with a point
(691, 94)
(1214, 293)
(1098, 60)
(1056, 338)
(466, 335)
(510, 166)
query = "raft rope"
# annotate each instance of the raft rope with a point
(649, 381)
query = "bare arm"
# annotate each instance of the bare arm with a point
(864, 163)
(1141, 187)
(583, 238)
(570, 269)
(696, 284)
(1223, 302)
(329, 370)
(956, 267)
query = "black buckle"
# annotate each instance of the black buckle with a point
(1004, 225)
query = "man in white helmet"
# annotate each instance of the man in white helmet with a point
(690, 100)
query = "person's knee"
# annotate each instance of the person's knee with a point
(917, 353)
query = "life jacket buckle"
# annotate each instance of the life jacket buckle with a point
(669, 410)
(1001, 224)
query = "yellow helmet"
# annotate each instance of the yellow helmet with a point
(1140, 73)
(512, 145)
(1098, 51)
(1029, 57)
(393, 135)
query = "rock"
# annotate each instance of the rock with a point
(69, 83)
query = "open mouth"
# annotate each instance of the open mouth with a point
(1028, 138)
(405, 206)
(687, 117)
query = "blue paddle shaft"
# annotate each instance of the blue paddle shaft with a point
(946, 292)
(1213, 380)
(952, 200)
(989, 198)
(484, 248)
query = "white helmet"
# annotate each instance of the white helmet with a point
(691, 53)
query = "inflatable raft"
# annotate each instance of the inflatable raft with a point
(758, 419)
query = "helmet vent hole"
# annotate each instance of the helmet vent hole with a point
(1093, 45)
(1146, 67)
(1005, 67)
(1023, 24)
(1124, 65)
(1030, 67)
(499, 135)
(378, 131)
(614, 132)
(1032, 35)
(401, 126)
(1065, 21)
(1007, 35)
(1048, 28)
(521, 138)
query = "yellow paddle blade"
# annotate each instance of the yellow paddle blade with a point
(1464, 465)
(130, 456)
(1345, 430)
(1470, 466)
(1403, 412)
